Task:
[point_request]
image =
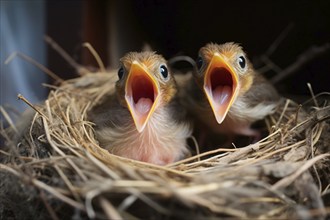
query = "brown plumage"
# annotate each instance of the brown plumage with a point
(226, 94)
(143, 120)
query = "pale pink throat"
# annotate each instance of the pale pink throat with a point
(143, 95)
(221, 85)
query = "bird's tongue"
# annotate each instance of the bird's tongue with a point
(222, 94)
(143, 106)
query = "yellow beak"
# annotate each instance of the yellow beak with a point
(141, 94)
(220, 86)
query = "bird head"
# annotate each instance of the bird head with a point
(223, 73)
(145, 84)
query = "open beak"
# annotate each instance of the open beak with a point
(141, 94)
(220, 86)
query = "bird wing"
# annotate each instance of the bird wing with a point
(262, 92)
(109, 113)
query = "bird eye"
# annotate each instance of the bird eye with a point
(242, 62)
(199, 62)
(164, 71)
(120, 72)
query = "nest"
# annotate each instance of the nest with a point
(55, 168)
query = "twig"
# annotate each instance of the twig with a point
(302, 60)
(271, 64)
(127, 202)
(297, 114)
(109, 210)
(316, 117)
(11, 144)
(201, 155)
(149, 201)
(65, 55)
(196, 146)
(45, 187)
(282, 114)
(35, 63)
(48, 206)
(20, 97)
(58, 195)
(53, 145)
(8, 119)
(66, 181)
(308, 193)
(278, 40)
(326, 190)
(96, 56)
(103, 167)
(316, 96)
(289, 179)
(312, 93)
(319, 211)
(90, 195)
(188, 59)
(310, 139)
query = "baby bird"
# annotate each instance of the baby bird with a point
(143, 119)
(227, 94)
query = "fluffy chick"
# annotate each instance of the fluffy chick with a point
(226, 94)
(143, 119)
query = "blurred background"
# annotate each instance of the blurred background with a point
(170, 27)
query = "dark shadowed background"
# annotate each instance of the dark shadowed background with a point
(182, 27)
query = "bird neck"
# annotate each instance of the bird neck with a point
(162, 141)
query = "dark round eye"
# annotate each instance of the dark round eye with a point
(199, 62)
(242, 62)
(164, 71)
(120, 72)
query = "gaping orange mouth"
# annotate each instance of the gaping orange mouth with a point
(141, 94)
(220, 86)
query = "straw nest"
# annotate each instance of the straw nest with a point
(55, 168)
